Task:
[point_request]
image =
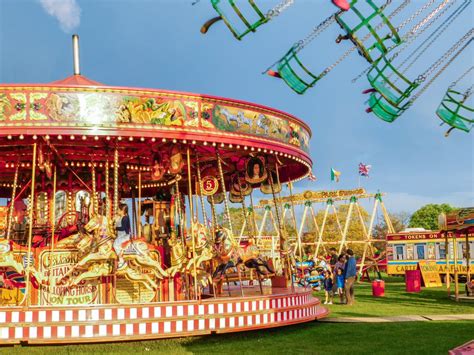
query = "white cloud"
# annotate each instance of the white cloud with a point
(67, 12)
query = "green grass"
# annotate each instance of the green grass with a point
(318, 337)
(397, 301)
(309, 338)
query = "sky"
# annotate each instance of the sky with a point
(157, 44)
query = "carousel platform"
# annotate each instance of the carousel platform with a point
(104, 323)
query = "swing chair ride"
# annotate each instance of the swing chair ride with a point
(381, 43)
(454, 109)
(76, 152)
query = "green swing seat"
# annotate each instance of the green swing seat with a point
(389, 82)
(294, 73)
(233, 16)
(381, 40)
(454, 111)
(383, 109)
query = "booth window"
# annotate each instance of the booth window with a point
(420, 250)
(400, 252)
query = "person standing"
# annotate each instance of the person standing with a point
(328, 285)
(350, 273)
(340, 285)
(122, 226)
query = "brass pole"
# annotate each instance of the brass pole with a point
(244, 211)
(12, 203)
(201, 198)
(30, 227)
(191, 216)
(95, 206)
(116, 172)
(213, 212)
(139, 212)
(284, 253)
(226, 204)
(108, 211)
(53, 223)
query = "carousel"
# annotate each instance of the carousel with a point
(109, 228)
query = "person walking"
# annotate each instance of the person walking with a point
(350, 273)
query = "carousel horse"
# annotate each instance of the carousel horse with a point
(252, 260)
(231, 255)
(227, 253)
(7, 260)
(99, 256)
(203, 246)
(179, 261)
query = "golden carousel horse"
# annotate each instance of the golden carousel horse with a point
(99, 256)
(180, 262)
(8, 261)
(230, 254)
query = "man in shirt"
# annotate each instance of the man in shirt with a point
(350, 273)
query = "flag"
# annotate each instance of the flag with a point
(364, 169)
(335, 175)
(311, 177)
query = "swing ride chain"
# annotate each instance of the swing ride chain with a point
(441, 30)
(421, 78)
(412, 35)
(316, 32)
(366, 37)
(415, 15)
(454, 83)
(419, 93)
(277, 10)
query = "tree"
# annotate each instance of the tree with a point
(333, 234)
(399, 222)
(427, 216)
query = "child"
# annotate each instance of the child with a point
(340, 284)
(328, 283)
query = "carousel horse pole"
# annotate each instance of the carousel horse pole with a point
(94, 200)
(226, 206)
(116, 196)
(191, 216)
(107, 190)
(12, 202)
(283, 242)
(53, 223)
(30, 226)
(203, 209)
(180, 235)
(139, 210)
